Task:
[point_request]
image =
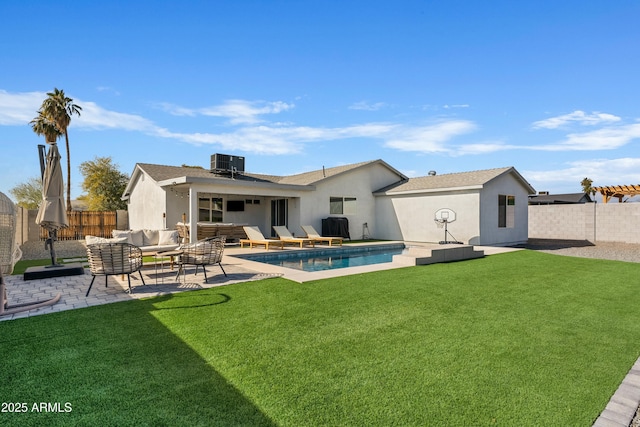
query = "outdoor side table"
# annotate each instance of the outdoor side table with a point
(158, 256)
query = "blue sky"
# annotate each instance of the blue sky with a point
(548, 87)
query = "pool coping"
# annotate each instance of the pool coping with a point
(304, 276)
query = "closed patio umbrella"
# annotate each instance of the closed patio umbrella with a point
(52, 214)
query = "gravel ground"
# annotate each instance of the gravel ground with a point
(64, 249)
(606, 250)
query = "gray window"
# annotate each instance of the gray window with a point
(342, 205)
(506, 211)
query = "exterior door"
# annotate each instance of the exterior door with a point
(279, 213)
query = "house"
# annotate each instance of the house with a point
(377, 200)
(559, 199)
(490, 207)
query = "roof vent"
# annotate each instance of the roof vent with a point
(225, 163)
(432, 173)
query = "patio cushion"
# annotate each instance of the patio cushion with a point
(92, 240)
(167, 237)
(134, 237)
(150, 237)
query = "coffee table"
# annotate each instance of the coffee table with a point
(159, 257)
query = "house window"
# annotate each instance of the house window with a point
(210, 209)
(506, 211)
(342, 205)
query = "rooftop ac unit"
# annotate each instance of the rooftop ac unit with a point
(226, 163)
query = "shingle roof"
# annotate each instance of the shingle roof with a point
(163, 173)
(446, 181)
(543, 199)
(312, 177)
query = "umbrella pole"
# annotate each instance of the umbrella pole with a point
(49, 242)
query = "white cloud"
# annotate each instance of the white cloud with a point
(447, 106)
(483, 148)
(18, 109)
(108, 90)
(250, 134)
(95, 117)
(239, 111)
(602, 139)
(577, 116)
(364, 105)
(429, 139)
(603, 172)
(267, 139)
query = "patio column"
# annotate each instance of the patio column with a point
(192, 220)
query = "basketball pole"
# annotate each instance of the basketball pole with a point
(446, 234)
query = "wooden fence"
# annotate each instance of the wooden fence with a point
(83, 223)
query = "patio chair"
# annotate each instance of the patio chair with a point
(313, 234)
(202, 253)
(111, 259)
(255, 237)
(285, 235)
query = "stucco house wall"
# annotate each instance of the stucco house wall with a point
(146, 204)
(410, 217)
(490, 233)
(359, 183)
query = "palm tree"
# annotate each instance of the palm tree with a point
(44, 126)
(59, 108)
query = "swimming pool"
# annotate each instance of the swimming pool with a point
(330, 259)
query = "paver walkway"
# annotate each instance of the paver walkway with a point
(74, 288)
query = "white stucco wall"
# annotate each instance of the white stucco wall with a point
(146, 204)
(411, 217)
(359, 183)
(490, 233)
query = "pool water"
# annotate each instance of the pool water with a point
(330, 259)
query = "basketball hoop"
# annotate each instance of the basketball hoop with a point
(442, 217)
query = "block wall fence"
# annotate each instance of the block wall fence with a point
(595, 222)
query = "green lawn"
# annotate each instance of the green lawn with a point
(522, 338)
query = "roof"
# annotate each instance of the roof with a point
(559, 199)
(473, 179)
(313, 177)
(182, 174)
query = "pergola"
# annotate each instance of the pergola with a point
(618, 191)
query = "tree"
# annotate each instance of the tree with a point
(59, 108)
(28, 194)
(586, 185)
(42, 125)
(104, 184)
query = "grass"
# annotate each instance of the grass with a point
(522, 338)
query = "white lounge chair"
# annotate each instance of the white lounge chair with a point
(255, 237)
(285, 235)
(313, 234)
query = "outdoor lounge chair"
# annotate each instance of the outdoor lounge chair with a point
(202, 253)
(255, 237)
(111, 259)
(285, 235)
(313, 234)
